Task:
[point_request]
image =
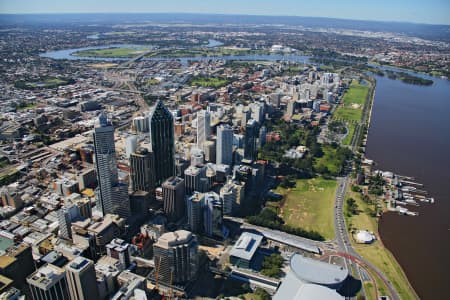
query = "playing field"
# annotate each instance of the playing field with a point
(310, 205)
(353, 103)
(112, 52)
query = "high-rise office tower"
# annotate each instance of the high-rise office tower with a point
(262, 136)
(48, 283)
(290, 108)
(192, 179)
(163, 142)
(213, 215)
(81, 279)
(142, 171)
(66, 215)
(111, 195)
(176, 254)
(251, 133)
(203, 127)
(228, 193)
(173, 198)
(195, 211)
(140, 124)
(120, 250)
(131, 143)
(246, 115)
(224, 153)
(257, 109)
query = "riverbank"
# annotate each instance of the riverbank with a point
(366, 218)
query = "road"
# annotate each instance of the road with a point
(342, 238)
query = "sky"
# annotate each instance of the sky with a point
(417, 11)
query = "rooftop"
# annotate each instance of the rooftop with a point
(246, 245)
(314, 271)
(171, 239)
(78, 264)
(46, 276)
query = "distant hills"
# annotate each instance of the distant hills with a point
(426, 31)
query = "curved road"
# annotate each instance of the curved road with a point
(343, 241)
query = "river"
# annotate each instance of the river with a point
(409, 135)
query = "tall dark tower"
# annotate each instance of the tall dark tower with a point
(163, 142)
(251, 133)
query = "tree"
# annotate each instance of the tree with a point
(352, 207)
(263, 294)
(271, 265)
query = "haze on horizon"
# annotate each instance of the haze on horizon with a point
(416, 11)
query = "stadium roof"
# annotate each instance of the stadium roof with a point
(318, 272)
(295, 287)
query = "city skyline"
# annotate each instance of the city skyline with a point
(431, 12)
(146, 154)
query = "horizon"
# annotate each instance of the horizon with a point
(220, 14)
(434, 12)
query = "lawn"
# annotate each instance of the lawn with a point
(329, 160)
(112, 52)
(376, 253)
(351, 109)
(310, 205)
(213, 82)
(351, 131)
(348, 114)
(352, 103)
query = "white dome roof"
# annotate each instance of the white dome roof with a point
(363, 236)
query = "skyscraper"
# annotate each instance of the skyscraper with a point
(228, 194)
(142, 170)
(111, 195)
(66, 215)
(176, 255)
(203, 127)
(192, 179)
(81, 279)
(251, 133)
(163, 142)
(213, 215)
(49, 283)
(173, 197)
(224, 153)
(195, 211)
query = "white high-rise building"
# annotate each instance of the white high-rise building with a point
(81, 279)
(131, 143)
(203, 127)
(228, 194)
(224, 153)
(48, 283)
(66, 215)
(111, 195)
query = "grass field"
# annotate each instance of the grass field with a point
(376, 253)
(310, 205)
(111, 52)
(352, 103)
(351, 131)
(328, 160)
(167, 53)
(213, 82)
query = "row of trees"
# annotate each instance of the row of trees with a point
(268, 218)
(271, 265)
